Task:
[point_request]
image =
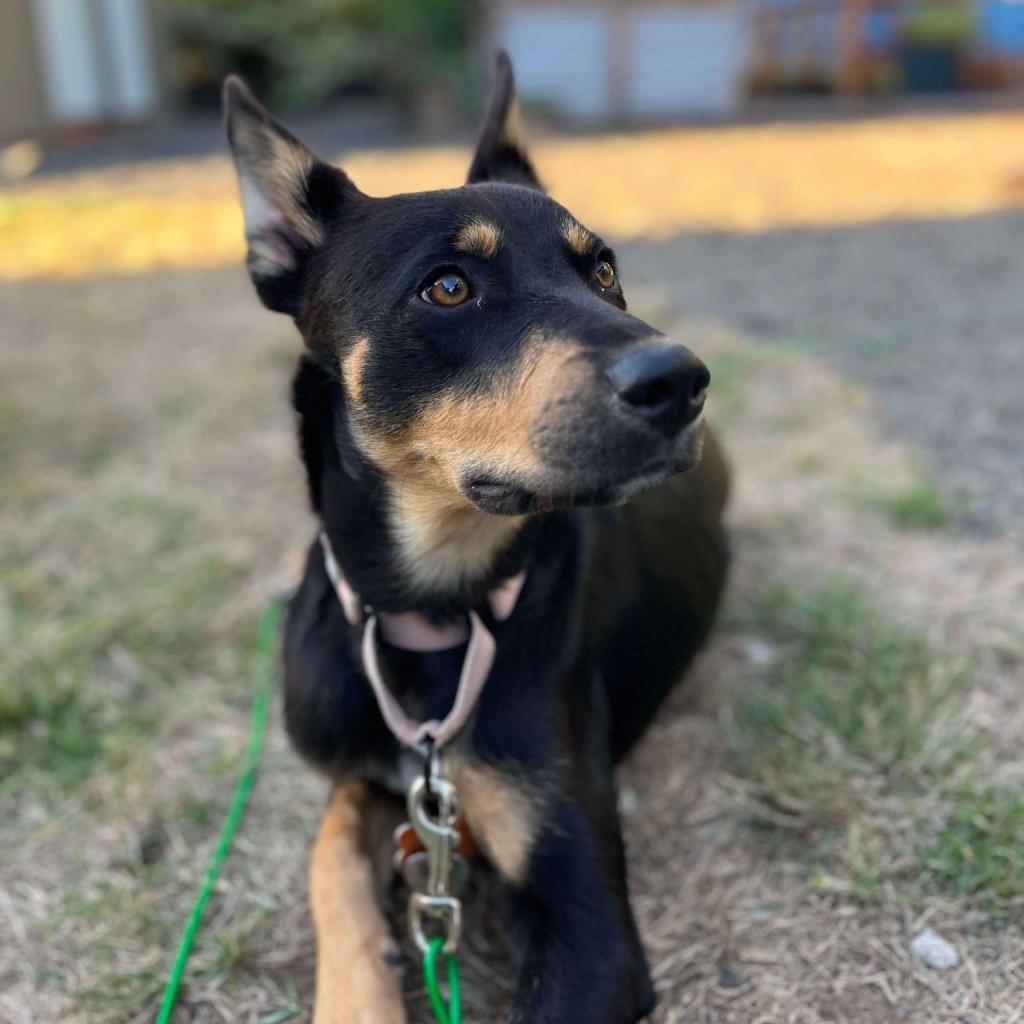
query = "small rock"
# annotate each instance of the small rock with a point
(729, 977)
(934, 951)
(760, 653)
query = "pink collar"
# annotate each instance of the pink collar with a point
(414, 632)
(410, 630)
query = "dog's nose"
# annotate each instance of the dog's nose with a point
(663, 382)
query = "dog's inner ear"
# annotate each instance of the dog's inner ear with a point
(288, 197)
(500, 155)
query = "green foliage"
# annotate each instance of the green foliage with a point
(979, 853)
(301, 51)
(940, 25)
(858, 708)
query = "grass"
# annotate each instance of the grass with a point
(125, 530)
(77, 447)
(859, 741)
(857, 707)
(107, 609)
(127, 918)
(978, 854)
(128, 937)
(132, 565)
(917, 505)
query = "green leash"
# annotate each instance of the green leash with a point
(266, 634)
(452, 1013)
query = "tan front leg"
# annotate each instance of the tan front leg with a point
(354, 984)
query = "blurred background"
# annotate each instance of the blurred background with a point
(823, 198)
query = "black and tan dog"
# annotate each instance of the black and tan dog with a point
(474, 401)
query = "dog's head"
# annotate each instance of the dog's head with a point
(480, 333)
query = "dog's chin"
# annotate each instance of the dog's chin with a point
(498, 495)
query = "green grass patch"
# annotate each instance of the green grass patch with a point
(858, 707)
(859, 743)
(104, 612)
(979, 853)
(918, 505)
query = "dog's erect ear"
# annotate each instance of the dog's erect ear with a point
(499, 152)
(288, 197)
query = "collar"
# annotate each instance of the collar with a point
(410, 630)
(414, 632)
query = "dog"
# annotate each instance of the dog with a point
(477, 414)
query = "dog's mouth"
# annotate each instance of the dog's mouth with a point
(508, 499)
(558, 488)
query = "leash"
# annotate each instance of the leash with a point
(452, 1013)
(432, 800)
(266, 634)
(438, 832)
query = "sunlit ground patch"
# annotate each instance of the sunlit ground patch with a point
(650, 184)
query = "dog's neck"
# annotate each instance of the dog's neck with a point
(401, 545)
(442, 545)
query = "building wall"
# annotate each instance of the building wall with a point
(22, 102)
(70, 62)
(631, 60)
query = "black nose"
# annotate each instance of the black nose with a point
(663, 382)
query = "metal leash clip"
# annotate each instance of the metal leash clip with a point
(434, 814)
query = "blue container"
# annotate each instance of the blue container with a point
(1001, 27)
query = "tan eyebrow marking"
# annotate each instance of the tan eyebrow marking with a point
(577, 237)
(478, 238)
(352, 369)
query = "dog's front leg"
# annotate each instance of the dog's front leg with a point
(583, 961)
(354, 984)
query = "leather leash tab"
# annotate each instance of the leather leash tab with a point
(475, 669)
(422, 636)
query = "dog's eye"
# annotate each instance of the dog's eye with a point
(447, 290)
(604, 274)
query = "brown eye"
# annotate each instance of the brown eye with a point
(604, 274)
(448, 290)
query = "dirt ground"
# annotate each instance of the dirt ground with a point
(147, 443)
